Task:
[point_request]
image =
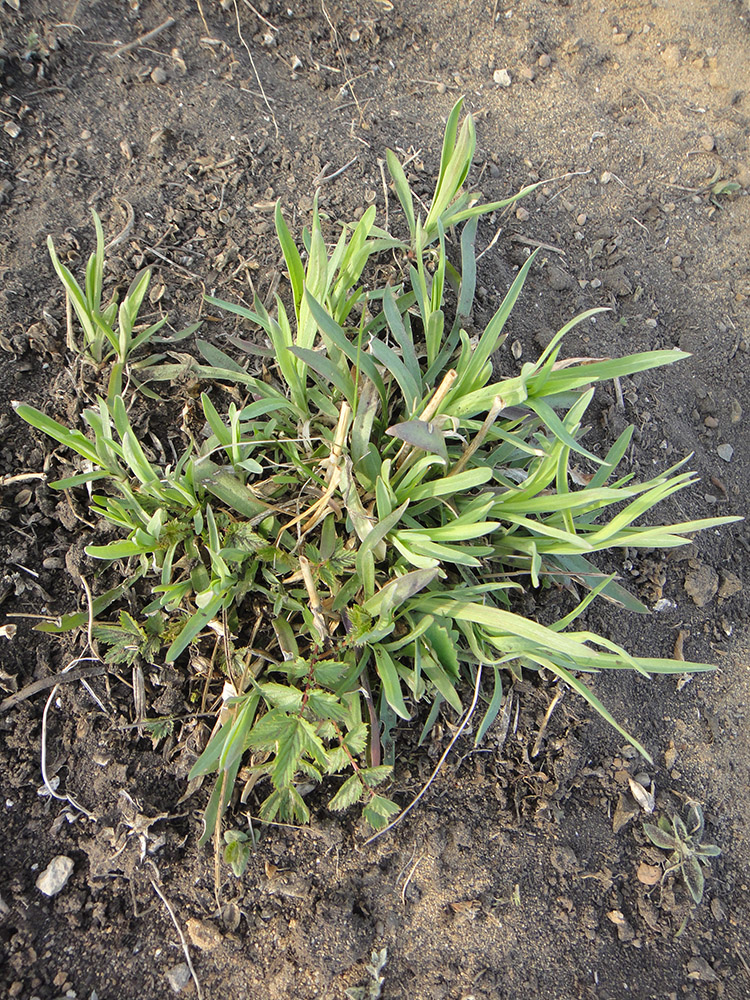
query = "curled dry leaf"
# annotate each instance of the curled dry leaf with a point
(642, 796)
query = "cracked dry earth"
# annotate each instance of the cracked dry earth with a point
(522, 874)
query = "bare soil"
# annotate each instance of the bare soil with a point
(518, 875)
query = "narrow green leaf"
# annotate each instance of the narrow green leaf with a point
(291, 257)
(391, 684)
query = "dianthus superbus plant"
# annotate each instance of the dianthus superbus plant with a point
(348, 540)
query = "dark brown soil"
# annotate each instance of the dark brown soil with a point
(509, 880)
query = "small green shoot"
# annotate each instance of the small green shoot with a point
(237, 848)
(109, 333)
(373, 989)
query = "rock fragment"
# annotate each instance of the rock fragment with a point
(203, 934)
(55, 875)
(178, 977)
(702, 584)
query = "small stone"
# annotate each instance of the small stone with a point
(620, 37)
(671, 56)
(204, 935)
(711, 422)
(707, 142)
(159, 75)
(354, 35)
(624, 931)
(527, 73)
(606, 177)
(13, 129)
(86, 134)
(725, 452)
(55, 875)
(559, 280)
(544, 60)
(730, 585)
(441, 88)
(522, 214)
(179, 977)
(582, 219)
(702, 584)
(736, 411)
(502, 77)
(269, 40)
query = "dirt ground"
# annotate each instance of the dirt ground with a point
(518, 876)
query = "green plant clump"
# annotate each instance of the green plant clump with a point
(345, 543)
(684, 839)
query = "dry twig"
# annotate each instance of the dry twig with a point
(137, 42)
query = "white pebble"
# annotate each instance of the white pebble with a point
(55, 875)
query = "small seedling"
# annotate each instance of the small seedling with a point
(373, 989)
(238, 845)
(109, 333)
(685, 841)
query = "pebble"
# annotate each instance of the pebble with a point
(730, 585)
(725, 452)
(702, 584)
(671, 56)
(204, 935)
(354, 35)
(582, 219)
(707, 142)
(711, 422)
(55, 875)
(527, 73)
(13, 129)
(179, 977)
(544, 60)
(159, 75)
(501, 76)
(736, 411)
(522, 214)
(620, 37)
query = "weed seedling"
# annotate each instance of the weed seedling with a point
(684, 839)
